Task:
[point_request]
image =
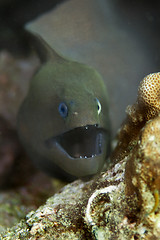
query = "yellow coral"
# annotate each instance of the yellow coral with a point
(149, 94)
(146, 107)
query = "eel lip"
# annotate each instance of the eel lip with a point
(81, 142)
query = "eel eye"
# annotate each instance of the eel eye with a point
(98, 106)
(63, 110)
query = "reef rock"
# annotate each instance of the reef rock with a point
(107, 36)
(15, 74)
(121, 203)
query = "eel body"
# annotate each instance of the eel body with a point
(63, 122)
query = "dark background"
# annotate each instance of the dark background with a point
(13, 16)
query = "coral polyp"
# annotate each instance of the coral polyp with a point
(139, 143)
(149, 95)
(146, 107)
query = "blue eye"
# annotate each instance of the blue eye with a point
(98, 106)
(63, 110)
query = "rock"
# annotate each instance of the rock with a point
(22, 187)
(13, 15)
(15, 168)
(145, 108)
(109, 37)
(121, 203)
(72, 213)
(15, 74)
(16, 202)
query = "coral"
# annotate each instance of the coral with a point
(81, 210)
(146, 107)
(22, 187)
(97, 209)
(121, 203)
(148, 95)
(139, 143)
(142, 176)
(143, 165)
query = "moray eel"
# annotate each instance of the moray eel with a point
(63, 122)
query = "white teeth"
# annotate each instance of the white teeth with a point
(87, 157)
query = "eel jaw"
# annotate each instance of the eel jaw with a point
(80, 143)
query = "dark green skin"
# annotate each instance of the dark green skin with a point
(61, 80)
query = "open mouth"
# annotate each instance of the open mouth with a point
(81, 142)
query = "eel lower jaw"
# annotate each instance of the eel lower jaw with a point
(85, 142)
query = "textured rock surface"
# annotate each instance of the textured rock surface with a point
(121, 203)
(22, 187)
(15, 203)
(145, 108)
(108, 36)
(77, 212)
